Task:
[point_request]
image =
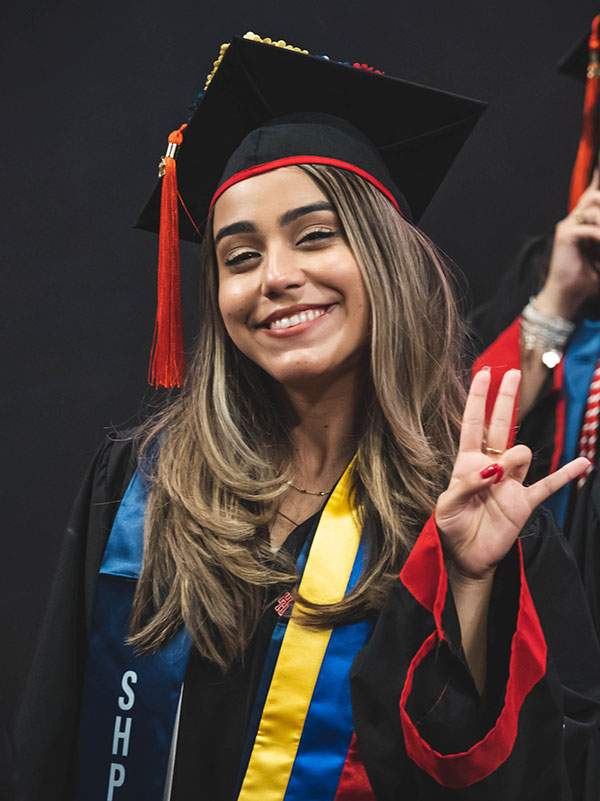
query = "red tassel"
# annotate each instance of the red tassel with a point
(167, 356)
(587, 153)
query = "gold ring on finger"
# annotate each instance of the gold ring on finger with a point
(580, 218)
(492, 451)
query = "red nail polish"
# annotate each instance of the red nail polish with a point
(500, 474)
(490, 470)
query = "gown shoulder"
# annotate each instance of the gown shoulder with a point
(46, 720)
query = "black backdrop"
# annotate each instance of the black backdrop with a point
(90, 93)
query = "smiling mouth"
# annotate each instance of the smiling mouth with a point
(296, 319)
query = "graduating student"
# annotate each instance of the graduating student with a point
(306, 578)
(556, 278)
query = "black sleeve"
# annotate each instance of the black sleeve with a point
(583, 532)
(553, 754)
(46, 720)
(522, 280)
(574, 652)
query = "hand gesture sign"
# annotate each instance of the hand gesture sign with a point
(486, 505)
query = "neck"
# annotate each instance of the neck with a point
(324, 431)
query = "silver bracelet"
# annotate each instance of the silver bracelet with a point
(546, 333)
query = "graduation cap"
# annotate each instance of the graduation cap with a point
(582, 62)
(574, 63)
(267, 106)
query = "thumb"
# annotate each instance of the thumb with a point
(462, 490)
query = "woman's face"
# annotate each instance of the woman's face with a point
(290, 290)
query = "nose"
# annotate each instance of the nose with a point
(280, 273)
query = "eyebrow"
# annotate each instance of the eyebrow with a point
(242, 227)
(293, 214)
(247, 227)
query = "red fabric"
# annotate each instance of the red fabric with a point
(424, 573)
(586, 154)
(505, 354)
(502, 355)
(290, 161)
(354, 784)
(424, 576)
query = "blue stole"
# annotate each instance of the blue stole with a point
(129, 702)
(579, 366)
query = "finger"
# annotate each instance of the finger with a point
(516, 462)
(543, 489)
(471, 432)
(583, 231)
(586, 215)
(502, 416)
(590, 197)
(472, 483)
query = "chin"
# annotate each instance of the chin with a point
(300, 376)
(305, 374)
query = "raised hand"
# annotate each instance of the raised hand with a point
(574, 271)
(486, 505)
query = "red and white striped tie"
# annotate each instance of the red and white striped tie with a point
(589, 429)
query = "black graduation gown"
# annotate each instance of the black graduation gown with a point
(523, 279)
(444, 702)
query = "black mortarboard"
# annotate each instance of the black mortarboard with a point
(575, 61)
(417, 130)
(268, 105)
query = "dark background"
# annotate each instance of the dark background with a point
(90, 93)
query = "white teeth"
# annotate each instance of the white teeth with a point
(295, 319)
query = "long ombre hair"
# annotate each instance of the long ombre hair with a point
(218, 473)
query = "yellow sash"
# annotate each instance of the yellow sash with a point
(324, 581)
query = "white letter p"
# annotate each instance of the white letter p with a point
(116, 778)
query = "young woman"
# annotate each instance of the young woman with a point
(247, 635)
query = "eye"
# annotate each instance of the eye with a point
(240, 258)
(315, 236)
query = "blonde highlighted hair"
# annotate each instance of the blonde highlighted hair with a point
(216, 455)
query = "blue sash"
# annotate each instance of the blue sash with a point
(129, 703)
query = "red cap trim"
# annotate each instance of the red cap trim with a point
(258, 169)
(527, 667)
